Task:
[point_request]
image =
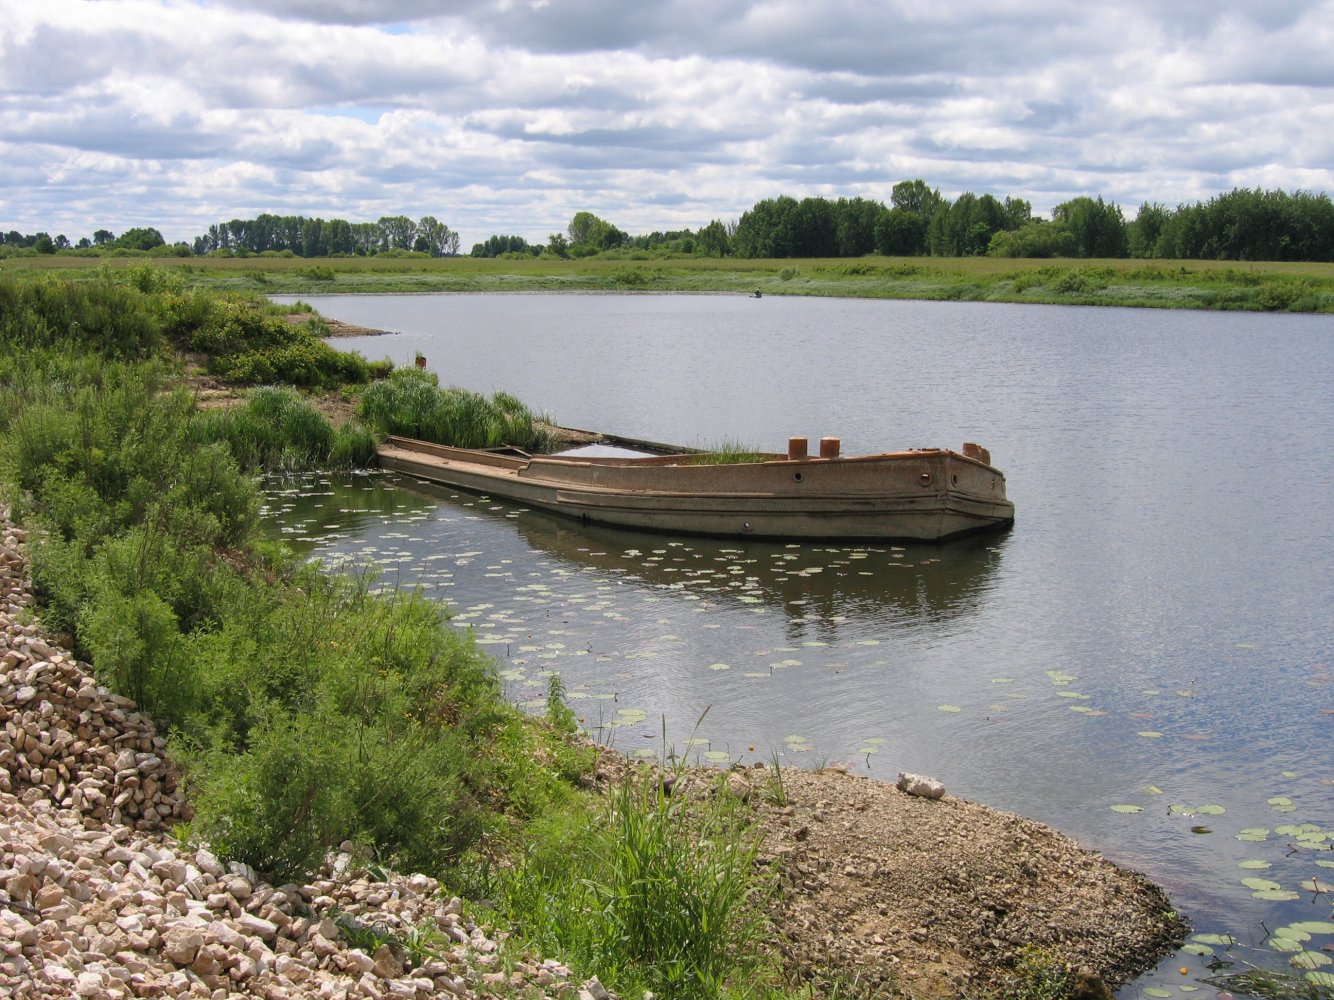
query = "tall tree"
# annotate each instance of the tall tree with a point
(854, 226)
(1098, 227)
(397, 232)
(1143, 233)
(915, 196)
(900, 233)
(712, 240)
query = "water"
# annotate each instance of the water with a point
(1154, 632)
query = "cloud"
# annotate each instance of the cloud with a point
(511, 115)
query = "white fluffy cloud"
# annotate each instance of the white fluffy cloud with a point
(512, 115)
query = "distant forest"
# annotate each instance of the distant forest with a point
(1242, 224)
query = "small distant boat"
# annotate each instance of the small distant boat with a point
(921, 494)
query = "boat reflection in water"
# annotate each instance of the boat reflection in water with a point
(823, 590)
(451, 542)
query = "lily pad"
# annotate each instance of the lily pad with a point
(1276, 895)
(1293, 829)
(1203, 950)
(1258, 884)
(1321, 978)
(1127, 809)
(1292, 933)
(1254, 834)
(1150, 734)
(1254, 864)
(1222, 939)
(1157, 991)
(948, 708)
(1286, 945)
(1310, 960)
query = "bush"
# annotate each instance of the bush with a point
(113, 321)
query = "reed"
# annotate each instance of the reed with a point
(411, 403)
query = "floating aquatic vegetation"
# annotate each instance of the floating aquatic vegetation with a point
(1127, 809)
(1258, 884)
(948, 708)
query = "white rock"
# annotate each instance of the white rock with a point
(920, 785)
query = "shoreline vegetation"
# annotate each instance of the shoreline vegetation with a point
(302, 716)
(1301, 287)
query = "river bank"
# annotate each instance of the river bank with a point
(1257, 286)
(929, 898)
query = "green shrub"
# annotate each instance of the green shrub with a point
(283, 801)
(1279, 295)
(113, 321)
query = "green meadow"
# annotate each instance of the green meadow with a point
(1253, 286)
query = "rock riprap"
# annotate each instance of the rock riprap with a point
(98, 899)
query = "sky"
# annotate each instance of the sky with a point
(509, 116)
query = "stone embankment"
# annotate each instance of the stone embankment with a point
(99, 900)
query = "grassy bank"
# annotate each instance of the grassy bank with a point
(305, 709)
(1258, 286)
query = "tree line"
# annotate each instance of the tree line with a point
(320, 238)
(103, 240)
(1242, 224)
(1239, 225)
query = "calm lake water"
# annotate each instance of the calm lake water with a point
(1147, 654)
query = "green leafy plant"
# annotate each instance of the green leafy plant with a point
(653, 891)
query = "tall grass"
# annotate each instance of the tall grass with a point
(278, 430)
(411, 403)
(653, 892)
(730, 452)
